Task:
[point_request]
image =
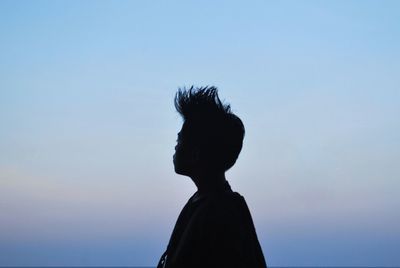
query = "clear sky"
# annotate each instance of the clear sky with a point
(88, 127)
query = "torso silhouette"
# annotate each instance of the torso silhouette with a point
(214, 230)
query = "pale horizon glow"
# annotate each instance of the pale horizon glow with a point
(88, 127)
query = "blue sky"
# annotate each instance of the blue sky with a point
(88, 127)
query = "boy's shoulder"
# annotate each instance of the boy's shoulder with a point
(228, 206)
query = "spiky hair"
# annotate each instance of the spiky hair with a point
(213, 126)
(193, 102)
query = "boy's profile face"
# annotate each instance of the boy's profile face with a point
(185, 159)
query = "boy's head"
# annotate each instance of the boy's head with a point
(211, 136)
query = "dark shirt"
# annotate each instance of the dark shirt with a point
(214, 230)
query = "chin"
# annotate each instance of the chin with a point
(180, 170)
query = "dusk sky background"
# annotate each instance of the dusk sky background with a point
(88, 126)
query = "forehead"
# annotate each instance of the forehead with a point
(184, 128)
(187, 131)
(182, 131)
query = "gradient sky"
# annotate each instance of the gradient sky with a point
(88, 127)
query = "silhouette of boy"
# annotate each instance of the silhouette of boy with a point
(215, 228)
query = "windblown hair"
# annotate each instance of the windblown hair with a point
(210, 126)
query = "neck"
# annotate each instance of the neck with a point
(209, 181)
